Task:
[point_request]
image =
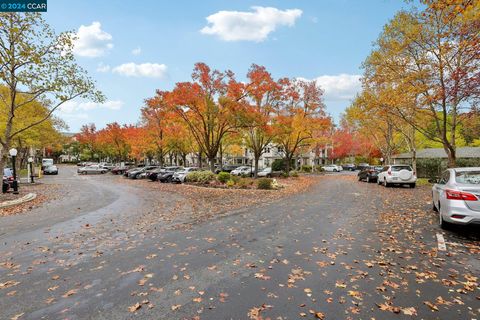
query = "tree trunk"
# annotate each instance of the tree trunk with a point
(212, 163)
(287, 165)
(256, 166)
(452, 156)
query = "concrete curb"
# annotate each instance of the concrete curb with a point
(25, 198)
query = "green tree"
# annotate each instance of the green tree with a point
(36, 65)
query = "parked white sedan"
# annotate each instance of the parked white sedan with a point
(397, 174)
(332, 168)
(456, 196)
(267, 172)
(242, 171)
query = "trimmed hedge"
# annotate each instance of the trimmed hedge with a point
(223, 177)
(306, 168)
(201, 176)
(433, 168)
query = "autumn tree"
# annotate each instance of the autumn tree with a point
(36, 65)
(263, 96)
(87, 138)
(371, 119)
(433, 55)
(207, 108)
(113, 141)
(300, 118)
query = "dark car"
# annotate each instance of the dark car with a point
(138, 167)
(226, 168)
(119, 169)
(135, 174)
(369, 174)
(362, 166)
(349, 167)
(167, 175)
(154, 173)
(7, 180)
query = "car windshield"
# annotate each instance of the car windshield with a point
(468, 177)
(398, 168)
(7, 172)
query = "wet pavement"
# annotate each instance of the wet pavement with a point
(341, 250)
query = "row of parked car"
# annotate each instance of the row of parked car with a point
(345, 167)
(163, 174)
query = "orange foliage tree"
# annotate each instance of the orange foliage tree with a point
(207, 107)
(301, 118)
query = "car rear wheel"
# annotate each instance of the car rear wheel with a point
(443, 224)
(412, 185)
(368, 179)
(386, 184)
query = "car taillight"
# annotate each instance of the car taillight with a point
(389, 172)
(460, 195)
(10, 178)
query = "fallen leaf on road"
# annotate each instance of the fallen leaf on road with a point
(135, 307)
(70, 293)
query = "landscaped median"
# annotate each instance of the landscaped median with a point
(229, 181)
(211, 194)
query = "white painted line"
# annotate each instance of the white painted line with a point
(441, 242)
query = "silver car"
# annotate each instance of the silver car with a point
(51, 169)
(456, 196)
(92, 169)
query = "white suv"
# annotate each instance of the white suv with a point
(397, 174)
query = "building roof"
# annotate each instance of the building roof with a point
(437, 153)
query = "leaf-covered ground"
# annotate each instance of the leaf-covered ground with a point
(340, 249)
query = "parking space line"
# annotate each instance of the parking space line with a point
(441, 242)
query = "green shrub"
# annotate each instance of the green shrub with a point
(264, 184)
(235, 179)
(284, 175)
(230, 183)
(201, 176)
(294, 173)
(223, 177)
(306, 168)
(278, 165)
(192, 176)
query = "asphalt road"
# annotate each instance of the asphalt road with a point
(344, 249)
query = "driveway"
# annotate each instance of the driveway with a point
(342, 250)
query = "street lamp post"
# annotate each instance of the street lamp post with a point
(13, 154)
(30, 165)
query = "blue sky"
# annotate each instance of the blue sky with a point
(132, 48)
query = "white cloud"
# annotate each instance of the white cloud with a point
(249, 26)
(103, 67)
(137, 51)
(150, 70)
(71, 107)
(339, 87)
(92, 41)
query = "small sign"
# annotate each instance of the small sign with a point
(23, 5)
